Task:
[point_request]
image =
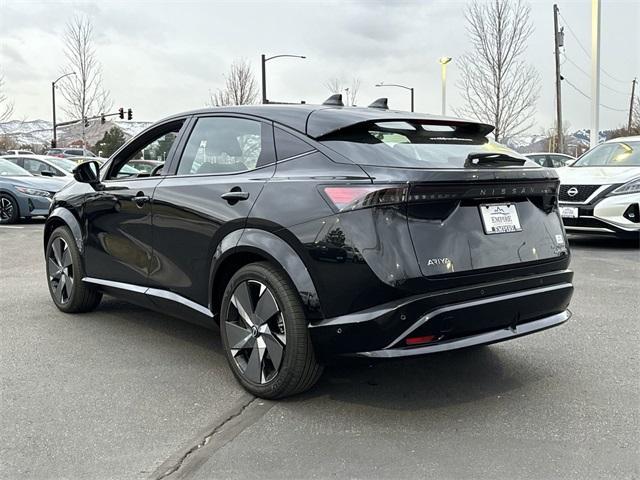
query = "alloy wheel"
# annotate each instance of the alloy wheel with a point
(256, 332)
(60, 269)
(6, 208)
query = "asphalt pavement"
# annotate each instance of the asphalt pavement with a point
(127, 393)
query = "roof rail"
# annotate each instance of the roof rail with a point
(335, 100)
(380, 103)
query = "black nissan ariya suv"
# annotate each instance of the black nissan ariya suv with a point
(309, 231)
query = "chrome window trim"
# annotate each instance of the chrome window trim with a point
(154, 292)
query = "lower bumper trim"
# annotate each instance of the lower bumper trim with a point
(480, 339)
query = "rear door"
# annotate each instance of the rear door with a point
(215, 180)
(118, 216)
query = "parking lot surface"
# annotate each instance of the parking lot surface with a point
(127, 393)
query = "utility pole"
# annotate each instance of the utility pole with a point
(595, 73)
(633, 92)
(263, 61)
(559, 42)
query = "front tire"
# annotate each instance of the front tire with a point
(265, 335)
(64, 275)
(9, 210)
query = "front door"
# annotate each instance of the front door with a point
(216, 180)
(118, 215)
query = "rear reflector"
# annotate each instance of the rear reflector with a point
(420, 340)
(353, 197)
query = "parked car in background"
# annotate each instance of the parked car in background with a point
(18, 152)
(70, 152)
(145, 165)
(43, 165)
(23, 195)
(379, 234)
(600, 192)
(551, 160)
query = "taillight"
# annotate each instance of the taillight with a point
(347, 197)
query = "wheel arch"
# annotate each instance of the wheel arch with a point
(255, 245)
(63, 217)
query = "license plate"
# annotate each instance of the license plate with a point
(569, 212)
(500, 218)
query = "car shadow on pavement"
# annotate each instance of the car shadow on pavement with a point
(429, 382)
(602, 241)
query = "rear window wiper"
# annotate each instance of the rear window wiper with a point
(487, 159)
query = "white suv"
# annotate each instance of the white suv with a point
(600, 192)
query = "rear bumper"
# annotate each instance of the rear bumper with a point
(451, 319)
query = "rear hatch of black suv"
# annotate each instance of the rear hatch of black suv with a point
(472, 206)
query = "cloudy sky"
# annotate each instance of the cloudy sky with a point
(161, 57)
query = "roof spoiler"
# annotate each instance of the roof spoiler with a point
(381, 103)
(334, 100)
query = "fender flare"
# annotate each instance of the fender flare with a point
(70, 220)
(278, 251)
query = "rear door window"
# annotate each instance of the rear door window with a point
(220, 145)
(411, 145)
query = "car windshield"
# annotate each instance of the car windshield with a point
(10, 169)
(614, 154)
(63, 163)
(411, 145)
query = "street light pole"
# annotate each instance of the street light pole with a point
(382, 84)
(263, 61)
(53, 103)
(443, 67)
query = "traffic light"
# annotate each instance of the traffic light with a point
(121, 113)
(129, 114)
(53, 144)
(103, 119)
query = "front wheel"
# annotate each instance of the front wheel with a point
(64, 275)
(9, 211)
(265, 335)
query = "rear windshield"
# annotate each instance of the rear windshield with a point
(411, 145)
(614, 154)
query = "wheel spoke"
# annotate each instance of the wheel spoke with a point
(68, 279)
(60, 286)
(238, 337)
(241, 299)
(57, 247)
(54, 270)
(66, 257)
(254, 368)
(275, 350)
(266, 308)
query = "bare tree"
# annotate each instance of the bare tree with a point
(83, 91)
(6, 106)
(497, 85)
(240, 86)
(338, 85)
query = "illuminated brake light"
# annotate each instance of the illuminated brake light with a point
(420, 340)
(352, 197)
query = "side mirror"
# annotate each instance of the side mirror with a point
(88, 172)
(47, 173)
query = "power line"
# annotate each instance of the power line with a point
(602, 84)
(589, 98)
(586, 52)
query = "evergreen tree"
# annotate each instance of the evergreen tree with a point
(112, 140)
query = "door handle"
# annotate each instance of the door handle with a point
(140, 199)
(235, 196)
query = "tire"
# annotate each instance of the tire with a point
(64, 275)
(9, 210)
(261, 310)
